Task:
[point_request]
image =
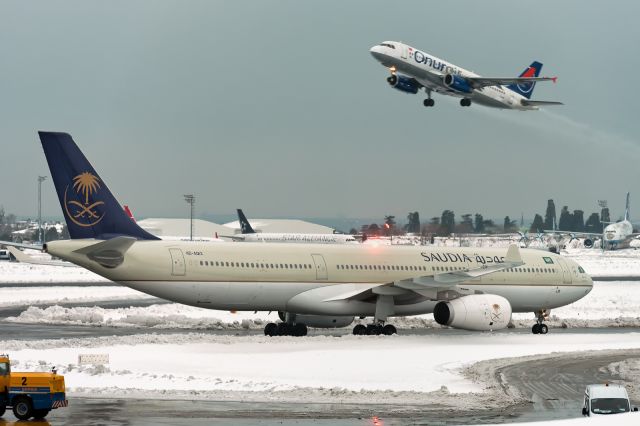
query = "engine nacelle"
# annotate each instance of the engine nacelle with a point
(457, 83)
(320, 321)
(404, 84)
(476, 312)
(588, 242)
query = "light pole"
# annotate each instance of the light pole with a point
(191, 199)
(40, 236)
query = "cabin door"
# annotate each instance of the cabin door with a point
(321, 266)
(566, 273)
(177, 262)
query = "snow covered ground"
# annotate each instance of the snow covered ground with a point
(419, 369)
(15, 272)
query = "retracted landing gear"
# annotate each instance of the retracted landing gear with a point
(540, 327)
(384, 308)
(287, 328)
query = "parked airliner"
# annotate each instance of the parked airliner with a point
(318, 285)
(412, 69)
(615, 236)
(248, 234)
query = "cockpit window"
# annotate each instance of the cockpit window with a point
(548, 260)
(580, 270)
(391, 46)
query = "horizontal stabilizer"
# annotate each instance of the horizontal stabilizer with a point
(527, 102)
(25, 258)
(108, 253)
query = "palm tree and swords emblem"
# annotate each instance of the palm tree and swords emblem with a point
(84, 214)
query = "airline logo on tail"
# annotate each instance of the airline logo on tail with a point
(526, 88)
(81, 205)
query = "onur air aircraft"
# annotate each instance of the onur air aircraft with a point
(615, 236)
(249, 234)
(317, 285)
(412, 69)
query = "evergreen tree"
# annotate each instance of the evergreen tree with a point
(51, 234)
(447, 222)
(537, 225)
(550, 215)
(604, 214)
(566, 220)
(414, 222)
(593, 224)
(466, 225)
(509, 225)
(578, 221)
(478, 226)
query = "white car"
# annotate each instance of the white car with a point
(606, 399)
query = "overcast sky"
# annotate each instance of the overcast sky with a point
(278, 107)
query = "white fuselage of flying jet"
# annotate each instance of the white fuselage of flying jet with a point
(316, 279)
(430, 71)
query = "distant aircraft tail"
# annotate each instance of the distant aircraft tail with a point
(89, 208)
(626, 209)
(245, 226)
(526, 89)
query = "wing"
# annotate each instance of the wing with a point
(25, 258)
(428, 285)
(29, 246)
(237, 237)
(479, 82)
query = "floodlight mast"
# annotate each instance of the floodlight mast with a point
(191, 200)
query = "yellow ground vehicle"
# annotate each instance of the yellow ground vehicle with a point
(30, 394)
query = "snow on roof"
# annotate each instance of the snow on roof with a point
(180, 227)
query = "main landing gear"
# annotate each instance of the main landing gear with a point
(465, 102)
(374, 330)
(384, 308)
(540, 327)
(289, 327)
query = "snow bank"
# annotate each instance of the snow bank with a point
(15, 272)
(18, 296)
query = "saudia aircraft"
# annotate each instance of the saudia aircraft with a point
(249, 234)
(317, 285)
(412, 69)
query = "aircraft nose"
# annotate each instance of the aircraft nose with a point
(376, 52)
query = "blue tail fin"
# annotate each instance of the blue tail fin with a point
(526, 89)
(245, 226)
(89, 208)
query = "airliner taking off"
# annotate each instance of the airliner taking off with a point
(412, 69)
(317, 285)
(248, 234)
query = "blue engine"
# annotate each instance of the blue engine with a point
(457, 83)
(404, 84)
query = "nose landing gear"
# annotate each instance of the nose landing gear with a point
(540, 327)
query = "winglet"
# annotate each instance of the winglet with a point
(513, 254)
(554, 79)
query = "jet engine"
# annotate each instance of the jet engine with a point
(476, 312)
(403, 83)
(588, 242)
(457, 83)
(320, 321)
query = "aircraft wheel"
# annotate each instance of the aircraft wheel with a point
(535, 329)
(284, 329)
(271, 329)
(359, 330)
(374, 330)
(22, 408)
(465, 102)
(299, 330)
(428, 102)
(388, 330)
(543, 329)
(3, 408)
(392, 80)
